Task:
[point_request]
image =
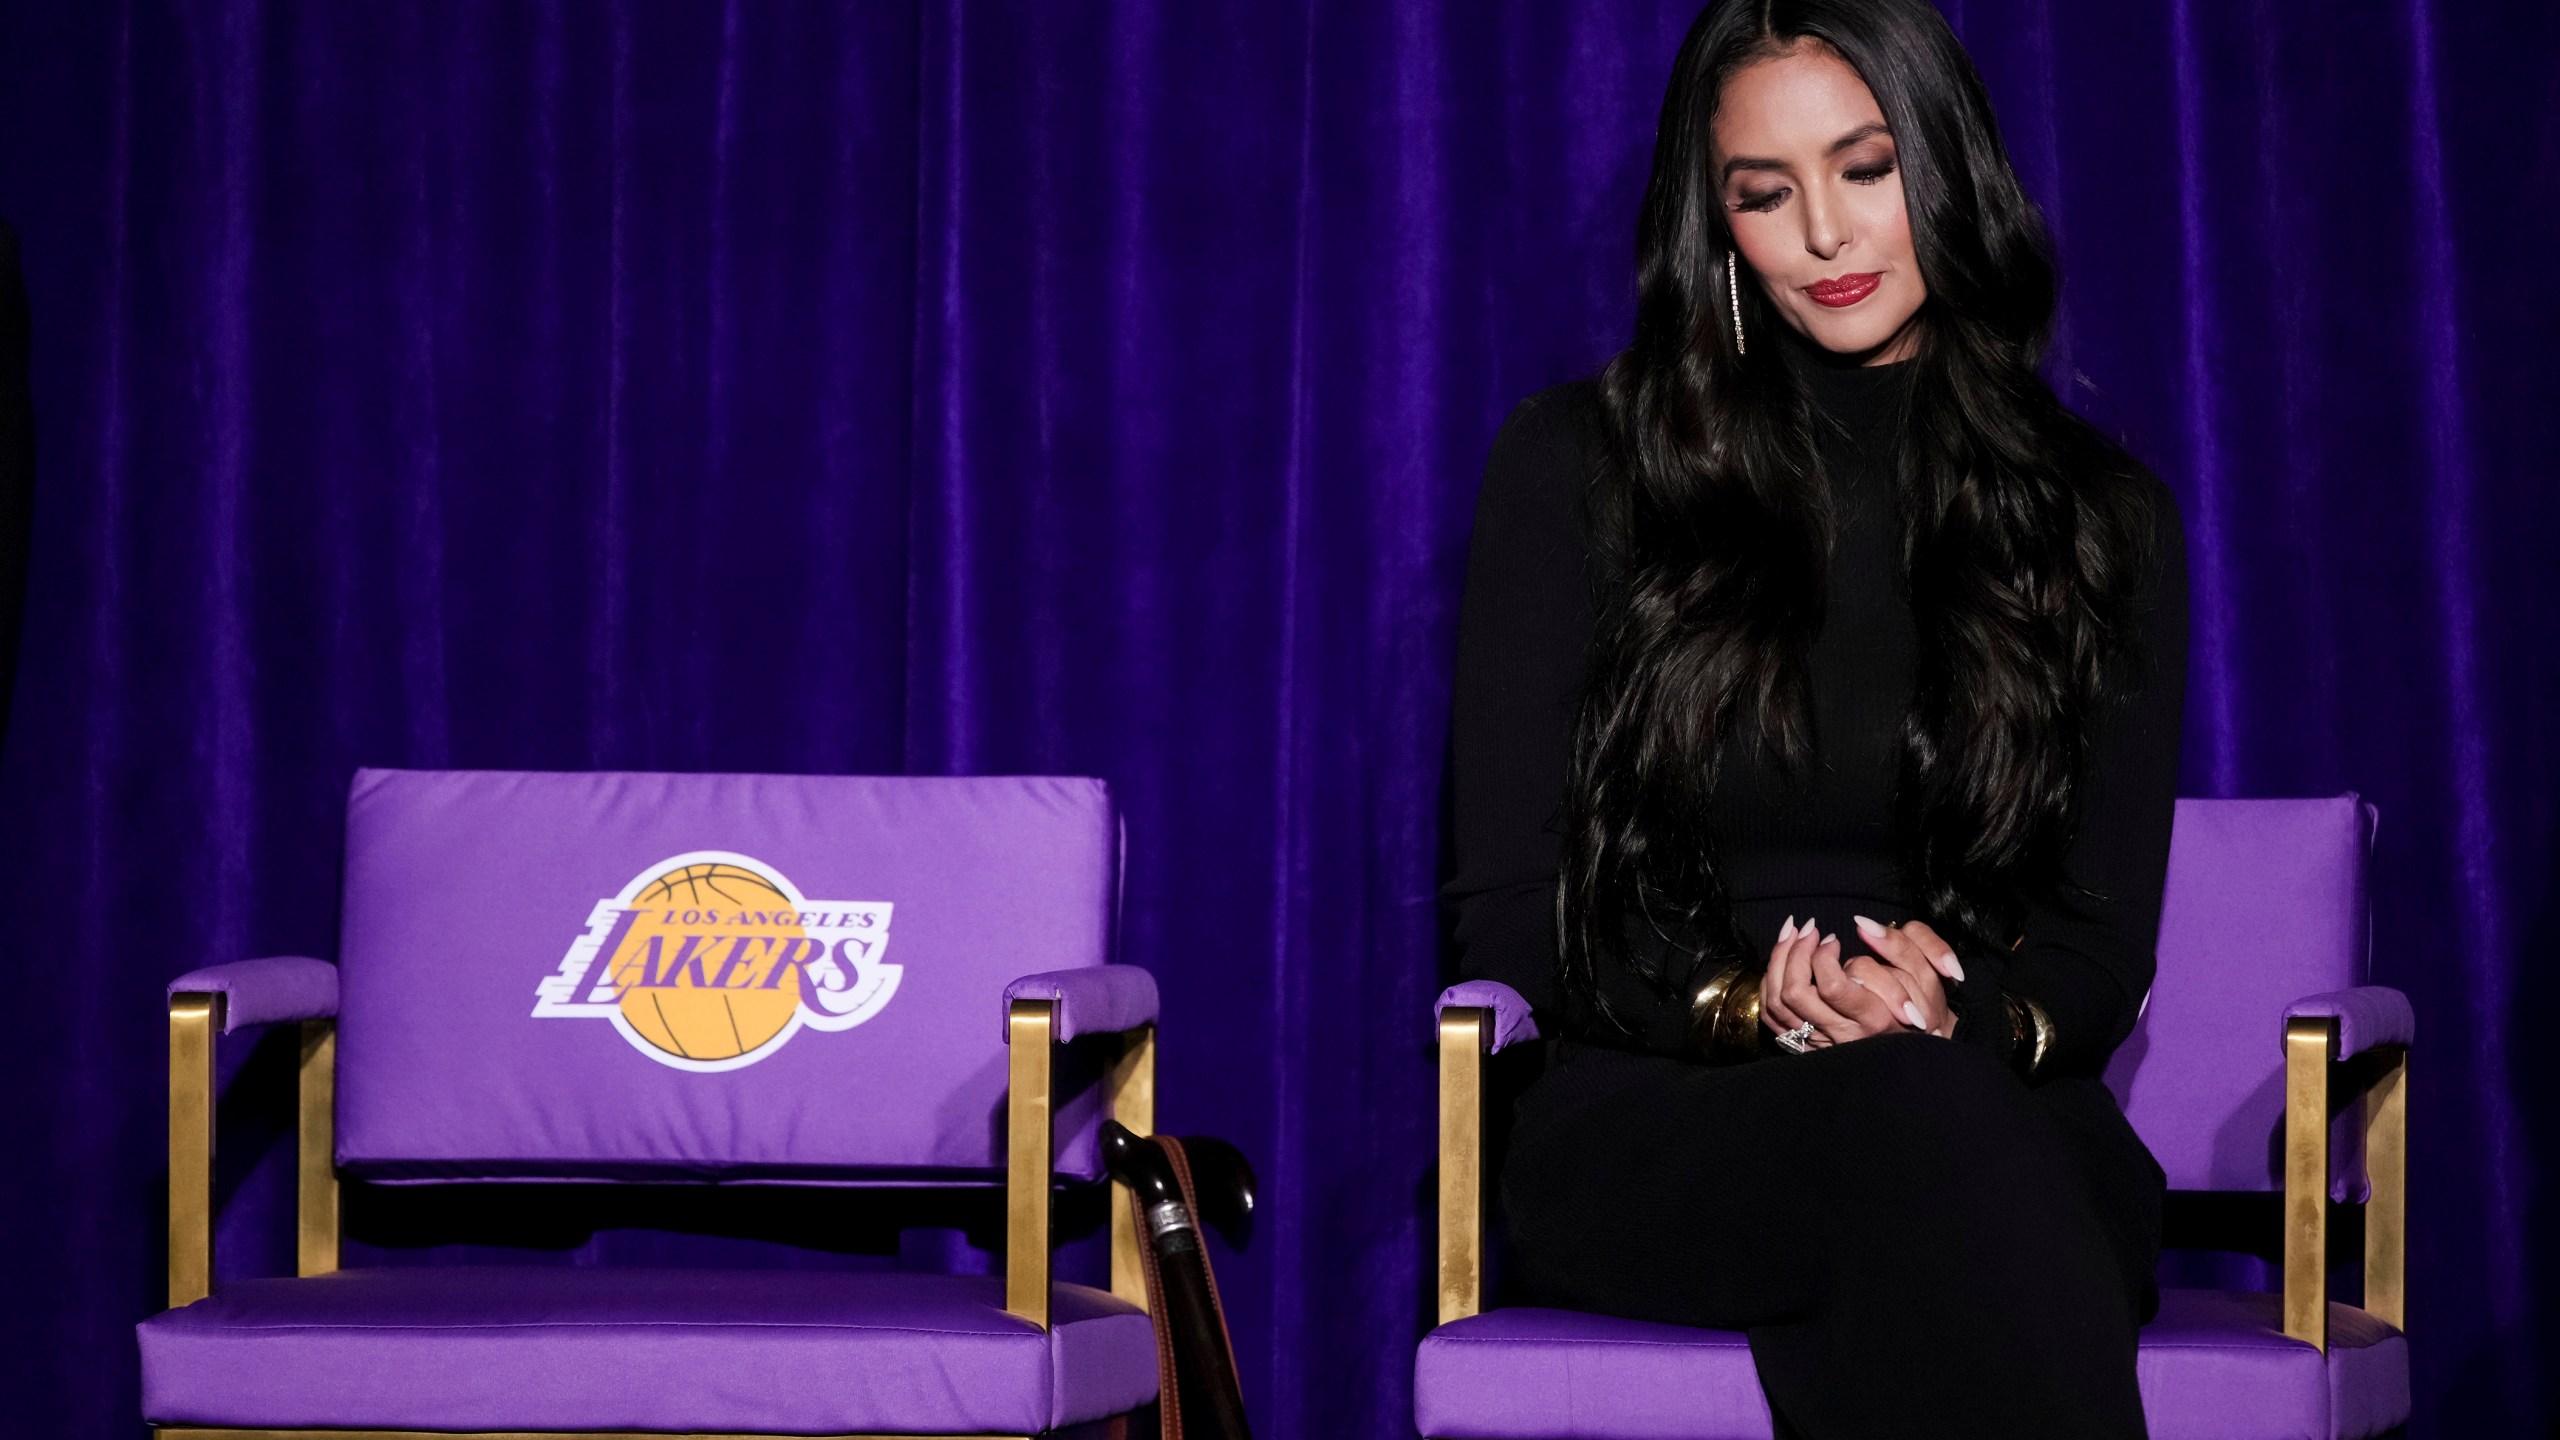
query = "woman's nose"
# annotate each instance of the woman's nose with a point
(1826, 229)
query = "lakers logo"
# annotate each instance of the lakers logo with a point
(713, 961)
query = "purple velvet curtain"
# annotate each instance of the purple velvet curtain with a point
(1101, 388)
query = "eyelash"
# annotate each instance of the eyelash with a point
(1865, 175)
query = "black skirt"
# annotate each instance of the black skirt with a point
(1917, 1242)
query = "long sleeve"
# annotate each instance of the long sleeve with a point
(1523, 633)
(2089, 957)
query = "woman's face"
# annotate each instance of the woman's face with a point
(1812, 187)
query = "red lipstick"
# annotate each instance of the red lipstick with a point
(1847, 290)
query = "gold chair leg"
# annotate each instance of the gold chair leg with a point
(1029, 1160)
(2308, 1044)
(2386, 1214)
(192, 1021)
(316, 1188)
(1132, 1099)
(1462, 1037)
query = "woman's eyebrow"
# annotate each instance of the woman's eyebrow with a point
(1867, 131)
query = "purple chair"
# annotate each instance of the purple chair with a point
(719, 979)
(2263, 936)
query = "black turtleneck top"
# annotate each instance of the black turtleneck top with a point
(1820, 844)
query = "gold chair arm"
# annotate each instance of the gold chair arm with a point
(2386, 1212)
(316, 1162)
(193, 1019)
(1462, 1042)
(1131, 1099)
(2308, 1044)
(2310, 1050)
(1129, 1092)
(1029, 1159)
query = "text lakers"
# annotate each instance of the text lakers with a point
(710, 961)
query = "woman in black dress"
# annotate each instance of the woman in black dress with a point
(1817, 725)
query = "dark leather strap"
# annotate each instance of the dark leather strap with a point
(1168, 1383)
(1168, 1377)
(1191, 1199)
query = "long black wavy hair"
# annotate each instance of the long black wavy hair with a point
(2027, 536)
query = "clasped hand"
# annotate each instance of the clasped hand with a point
(1898, 988)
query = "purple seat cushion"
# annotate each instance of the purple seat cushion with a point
(544, 1348)
(2214, 1366)
(1530, 1374)
(711, 977)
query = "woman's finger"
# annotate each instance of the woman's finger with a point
(1890, 986)
(1893, 947)
(1904, 953)
(1855, 1012)
(1773, 1008)
(1942, 961)
(1940, 955)
(1795, 974)
(1801, 993)
(1788, 966)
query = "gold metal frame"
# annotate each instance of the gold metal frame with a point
(1029, 1160)
(195, 1020)
(2310, 1073)
(1462, 1050)
(2311, 1077)
(1131, 1098)
(2386, 1213)
(315, 1161)
(2307, 1048)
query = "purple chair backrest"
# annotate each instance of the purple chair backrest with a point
(745, 977)
(2266, 904)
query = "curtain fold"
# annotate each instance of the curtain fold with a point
(1101, 388)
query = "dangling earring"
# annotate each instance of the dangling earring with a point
(1733, 290)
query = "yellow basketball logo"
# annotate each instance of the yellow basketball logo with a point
(711, 961)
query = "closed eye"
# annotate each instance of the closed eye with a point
(1868, 174)
(1767, 200)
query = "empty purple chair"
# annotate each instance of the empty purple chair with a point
(731, 979)
(2257, 1012)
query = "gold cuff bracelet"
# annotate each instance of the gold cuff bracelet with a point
(1724, 1017)
(2030, 1034)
